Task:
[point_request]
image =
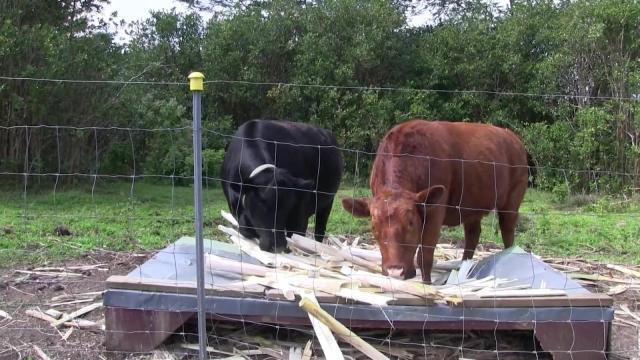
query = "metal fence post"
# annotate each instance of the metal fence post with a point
(196, 85)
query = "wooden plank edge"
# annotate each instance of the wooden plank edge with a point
(326, 298)
(586, 300)
(119, 282)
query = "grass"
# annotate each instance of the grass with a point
(119, 217)
(601, 229)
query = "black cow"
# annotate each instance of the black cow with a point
(276, 174)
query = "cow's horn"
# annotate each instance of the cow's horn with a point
(260, 169)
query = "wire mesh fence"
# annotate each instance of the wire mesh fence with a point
(99, 254)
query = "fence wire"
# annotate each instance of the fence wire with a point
(64, 232)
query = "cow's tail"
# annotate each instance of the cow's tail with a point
(531, 164)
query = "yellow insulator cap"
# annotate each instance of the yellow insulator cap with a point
(196, 81)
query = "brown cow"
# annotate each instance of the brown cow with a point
(432, 173)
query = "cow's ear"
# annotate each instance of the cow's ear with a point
(430, 196)
(285, 179)
(357, 207)
(302, 184)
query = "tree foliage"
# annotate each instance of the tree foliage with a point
(559, 73)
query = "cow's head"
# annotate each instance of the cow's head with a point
(398, 219)
(269, 195)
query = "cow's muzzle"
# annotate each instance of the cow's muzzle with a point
(399, 272)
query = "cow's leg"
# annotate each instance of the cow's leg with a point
(300, 227)
(298, 222)
(471, 238)
(430, 236)
(322, 218)
(508, 221)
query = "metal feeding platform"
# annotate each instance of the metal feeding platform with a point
(147, 305)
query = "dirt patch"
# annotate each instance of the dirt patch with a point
(21, 291)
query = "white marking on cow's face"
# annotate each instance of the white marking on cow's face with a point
(260, 169)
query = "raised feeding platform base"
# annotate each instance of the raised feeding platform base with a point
(146, 306)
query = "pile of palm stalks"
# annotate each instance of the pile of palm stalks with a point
(353, 272)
